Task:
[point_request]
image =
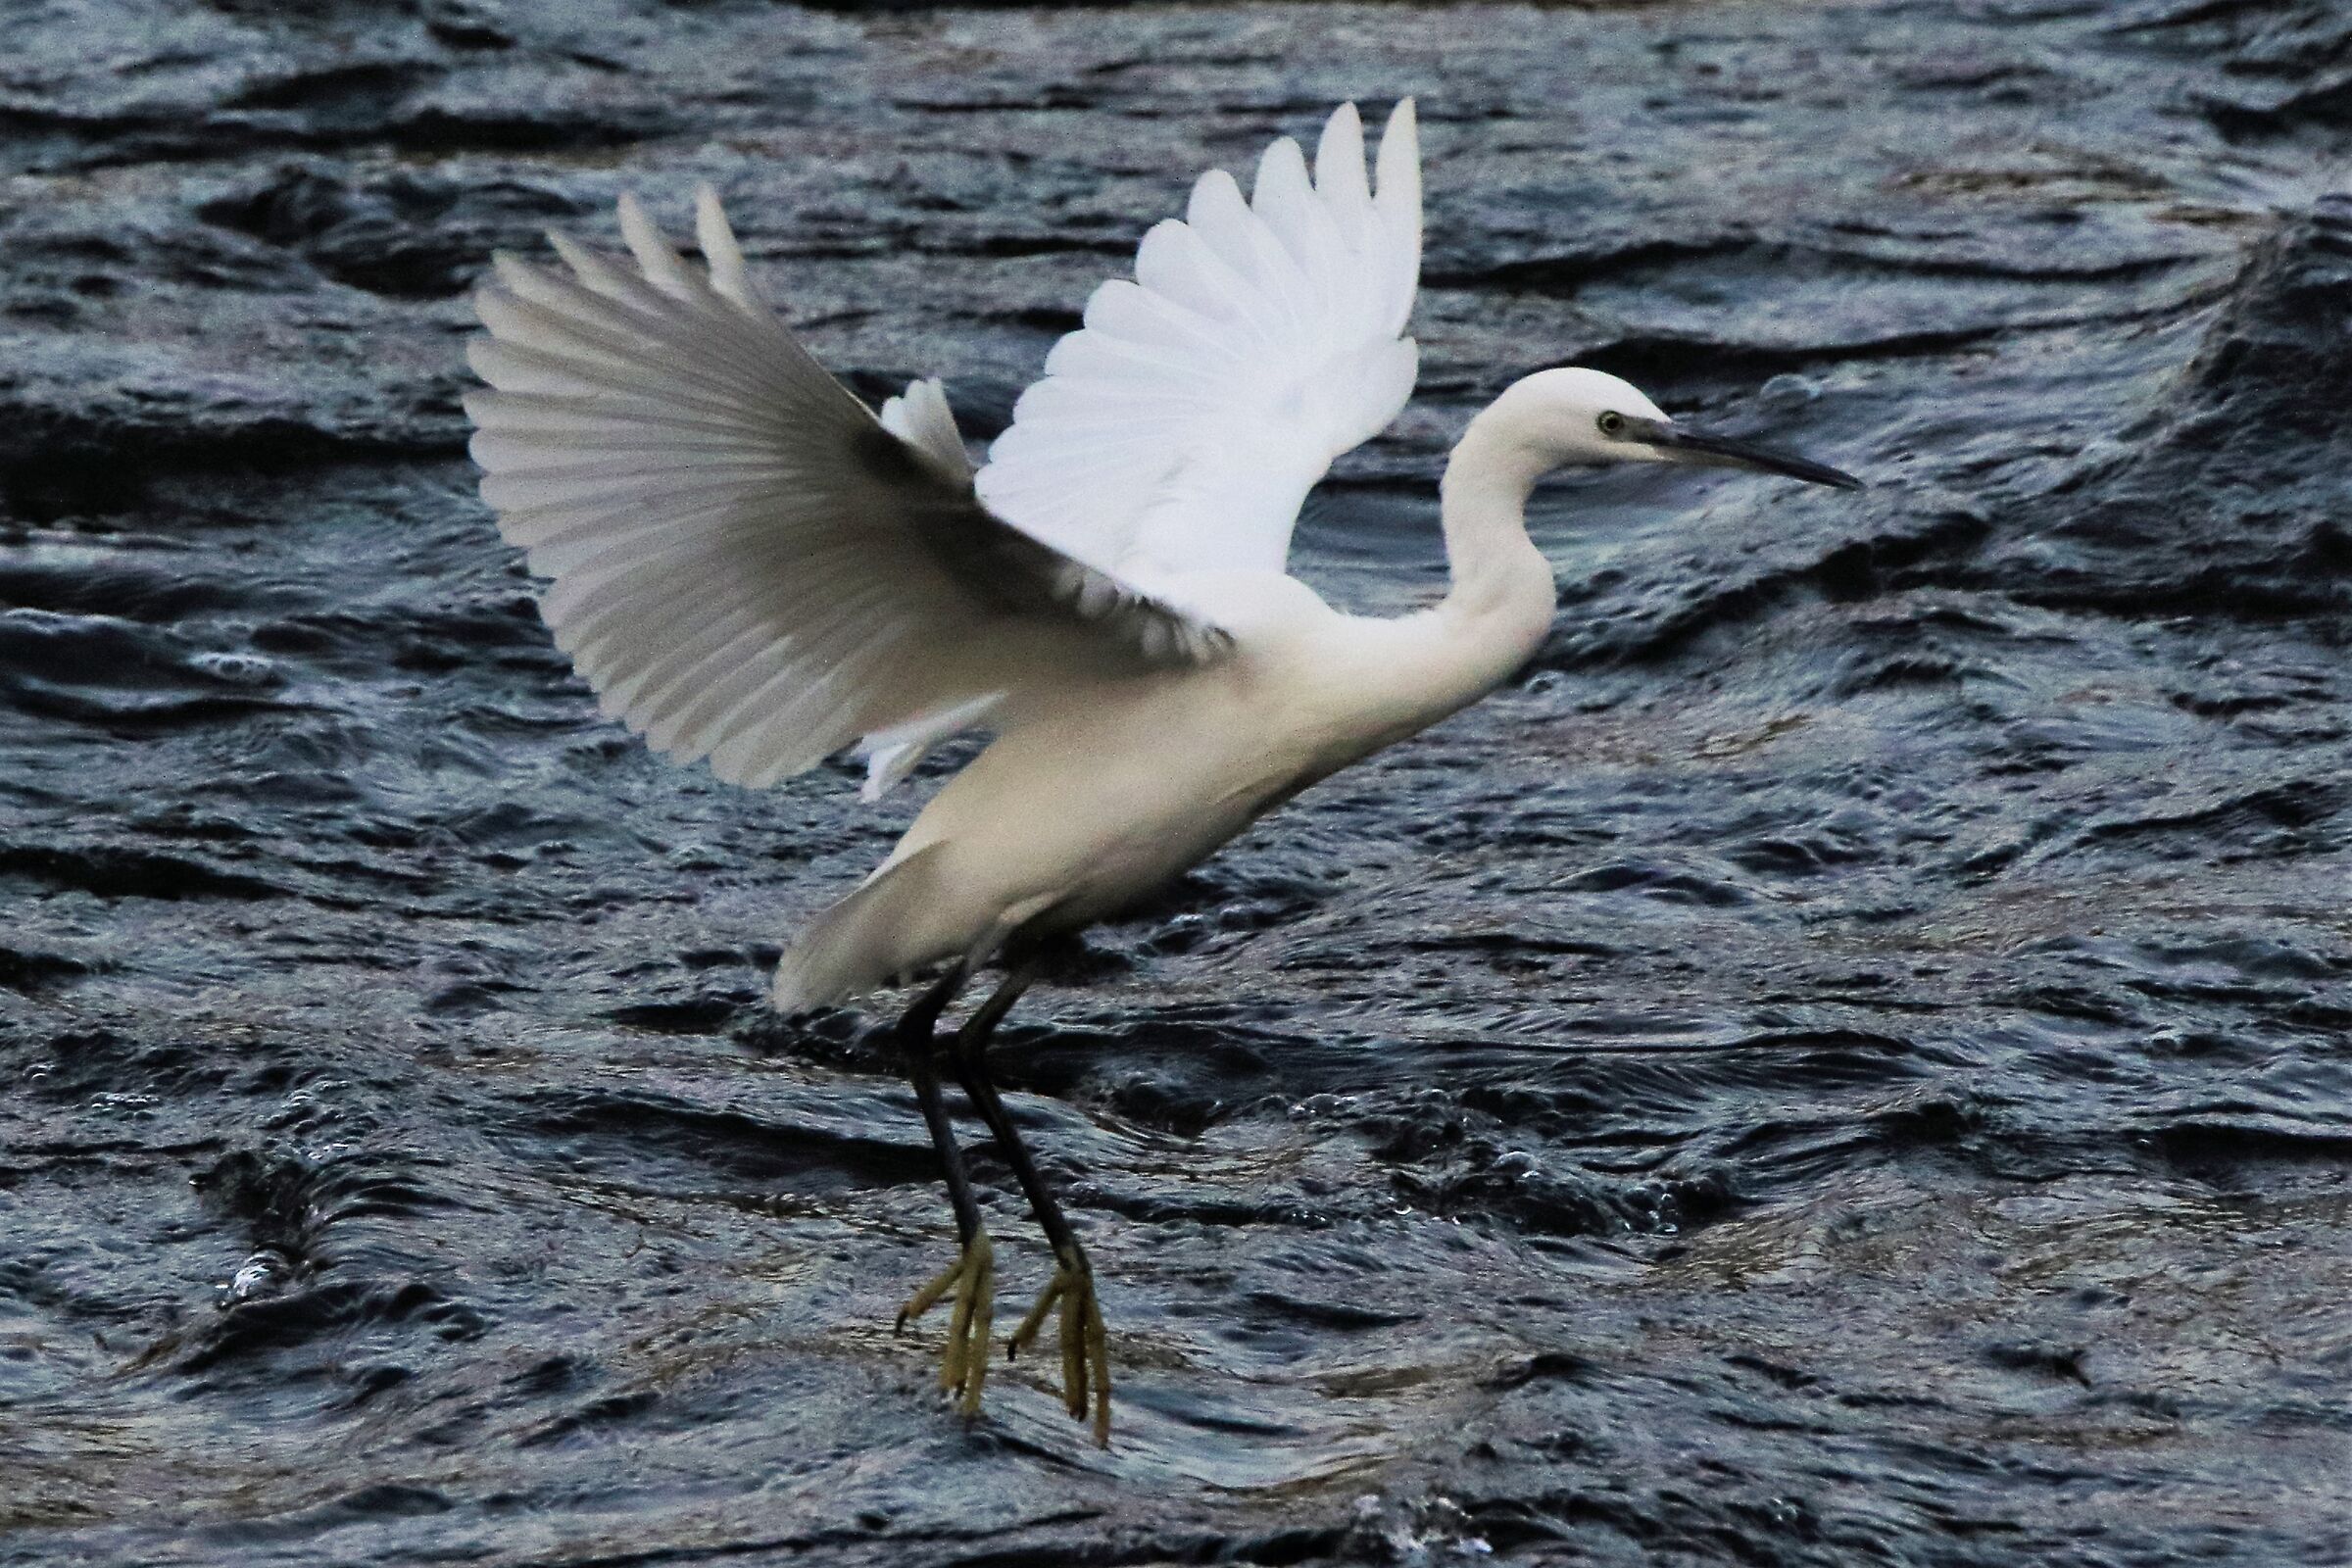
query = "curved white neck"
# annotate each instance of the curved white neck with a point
(1420, 667)
(1502, 592)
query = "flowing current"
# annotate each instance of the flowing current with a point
(1845, 1061)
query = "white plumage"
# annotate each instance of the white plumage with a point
(746, 571)
(750, 567)
(1181, 428)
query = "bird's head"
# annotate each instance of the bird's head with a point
(1574, 416)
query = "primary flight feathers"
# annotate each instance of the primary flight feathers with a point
(751, 566)
(1183, 425)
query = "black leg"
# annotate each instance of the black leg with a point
(918, 1047)
(1085, 1350)
(971, 1071)
(963, 1365)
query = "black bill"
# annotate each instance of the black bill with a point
(1683, 443)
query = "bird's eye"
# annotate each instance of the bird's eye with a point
(1611, 422)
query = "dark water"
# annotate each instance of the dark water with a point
(1846, 1062)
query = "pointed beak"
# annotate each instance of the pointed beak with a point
(1679, 443)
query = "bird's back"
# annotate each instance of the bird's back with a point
(1080, 808)
(1089, 802)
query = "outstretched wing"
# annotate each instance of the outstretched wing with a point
(1182, 426)
(748, 565)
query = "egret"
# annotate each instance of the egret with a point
(750, 565)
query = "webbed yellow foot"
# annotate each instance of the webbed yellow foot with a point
(963, 1365)
(1085, 1347)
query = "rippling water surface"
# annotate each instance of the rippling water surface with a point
(1845, 1061)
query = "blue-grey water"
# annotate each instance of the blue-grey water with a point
(1848, 1060)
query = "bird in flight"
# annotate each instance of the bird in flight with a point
(752, 568)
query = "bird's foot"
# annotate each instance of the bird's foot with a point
(963, 1365)
(1084, 1349)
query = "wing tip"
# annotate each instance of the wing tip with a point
(657, 258)
(481, 350)
(1340, 159)
(572, 254)
(1399, 167)
(635, 224)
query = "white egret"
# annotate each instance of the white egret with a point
(752, 568)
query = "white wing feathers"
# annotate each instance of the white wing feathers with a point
(920, 418)
(748, 565)
(1181, 428)
(752, 568)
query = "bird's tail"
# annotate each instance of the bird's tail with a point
(866, 938)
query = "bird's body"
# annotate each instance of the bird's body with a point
(752, 568)
(1094, 796)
